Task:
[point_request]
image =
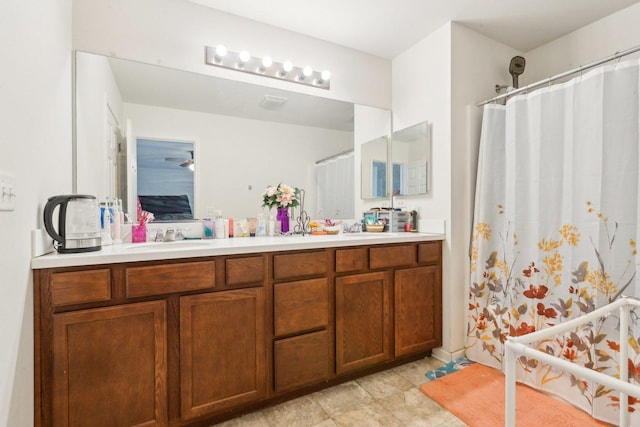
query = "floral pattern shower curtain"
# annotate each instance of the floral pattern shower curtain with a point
(556, 227)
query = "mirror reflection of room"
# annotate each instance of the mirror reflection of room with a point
(246, 136)
(411, 148)
(165, 178)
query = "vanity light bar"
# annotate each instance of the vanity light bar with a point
(219, 56)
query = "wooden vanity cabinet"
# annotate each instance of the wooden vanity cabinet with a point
(418, 302)
(302, 320)
(363, 321)
(109, 366)
(191, 342)
(391, 307)
(417, 310)
(222, 351)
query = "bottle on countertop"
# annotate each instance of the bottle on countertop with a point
(207, 228)
(116, 231)
(105, 223)
(271, 226)
(261, 227)
(219, 226)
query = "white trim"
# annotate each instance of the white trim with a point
(445, 356)
(517, 346)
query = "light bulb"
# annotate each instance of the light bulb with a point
(221, 51)
(306, 71)
(287, 66)
(267, 62)
(326, 75)
(244, 56)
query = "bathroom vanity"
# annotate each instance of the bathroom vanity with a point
(193, 333)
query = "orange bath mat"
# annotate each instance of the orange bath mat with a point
(476, 396)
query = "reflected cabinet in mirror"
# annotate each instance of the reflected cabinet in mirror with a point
(147, 130)
(374, 171)
(411, 155)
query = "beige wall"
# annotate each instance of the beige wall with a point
(174, 33)
(614, 33)
(35, 147)
(439, 80)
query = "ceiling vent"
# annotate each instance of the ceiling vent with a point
(272, 102)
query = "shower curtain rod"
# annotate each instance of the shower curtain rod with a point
(561, 75)
(335, 156)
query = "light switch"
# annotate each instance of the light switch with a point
(7, 193)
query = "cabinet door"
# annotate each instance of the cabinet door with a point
(362, 321)
(222, 351)
(109, 366)
(418, 309)
(301, 360)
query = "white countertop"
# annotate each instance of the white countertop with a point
(132, 252)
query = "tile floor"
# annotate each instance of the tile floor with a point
(389, 398)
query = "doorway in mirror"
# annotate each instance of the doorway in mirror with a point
(165, 177)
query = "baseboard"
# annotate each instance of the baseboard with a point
(446, 356)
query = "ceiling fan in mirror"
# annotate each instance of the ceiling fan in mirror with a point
(184, 162)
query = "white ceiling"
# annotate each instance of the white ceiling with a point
(386, 28)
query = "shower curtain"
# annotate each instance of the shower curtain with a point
(335, 187)
(555, 230)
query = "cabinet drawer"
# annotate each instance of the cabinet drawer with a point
(244, 271)
(351, 260)
(165, 279)
(300, 306)
(301, 360)
(392, 256)
(79, 287)
(290, 266)
(429, 253)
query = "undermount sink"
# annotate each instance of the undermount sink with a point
(178, 244)
(365, 234)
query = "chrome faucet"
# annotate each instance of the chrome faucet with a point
(159, 235)
(170, 235)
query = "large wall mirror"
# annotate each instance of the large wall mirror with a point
(234, 138)
(411, 157)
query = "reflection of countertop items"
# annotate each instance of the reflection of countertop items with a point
(134, 252)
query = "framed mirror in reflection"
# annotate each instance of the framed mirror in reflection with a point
(245, 137)
(411, 156)
(374, 171)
